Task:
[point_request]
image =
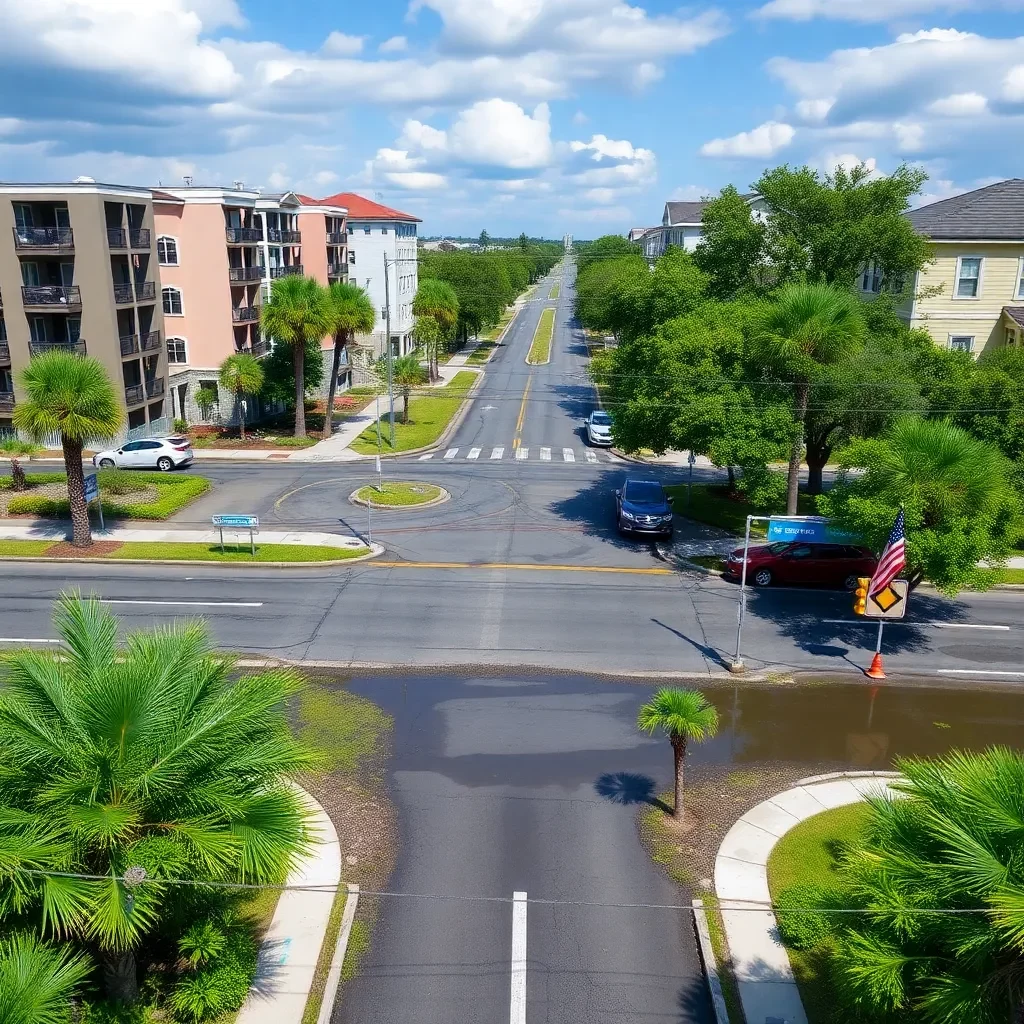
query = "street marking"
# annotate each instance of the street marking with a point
(522, 565)
(497, 453)
(423, 458)
(188, 604)
(590, 456)
(614, 458)
(545, 455)
(976, 672)
(568, 455)
(517, 1014)
(964, 625)
(522, 412)
(451, 453)
(474, 453)
(25, 640)
(864, 621)
(522, 453)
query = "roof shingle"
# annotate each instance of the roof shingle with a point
(360, 208)
(685, 213)
(995, 212)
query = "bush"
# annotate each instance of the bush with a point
(34, 480)
(119, 481)
(803, 929)
(223, 983)
(180, 426)
(174, 496)
(114, 1013)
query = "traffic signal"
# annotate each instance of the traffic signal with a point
(860, 595)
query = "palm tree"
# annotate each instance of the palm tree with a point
(144, 757)
(298, 313)
(73, 396)
(683, 715)
(437, 299)
(241, 374)
(807, 326)
(353, 314)
(16, 449)
(37, 981)
(406, 373)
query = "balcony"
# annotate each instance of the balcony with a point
(44, 238)
(5, 352)
(139, 238)
(284, 236)
(260, 346)
(134, 394)
(6, 401)
(239, 275)
(245, 314)
(117, 238)
(123, 293)
(51, 295)
(337, 237)
(151, 341)
(237, 235)
(40, 348)
(129, 345)
(155, 388)
(145, 291)
(337, 269)
(294, 268)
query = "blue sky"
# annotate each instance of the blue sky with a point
(538, 115)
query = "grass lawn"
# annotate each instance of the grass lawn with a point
(399, 493)
(177, 552)
(540, 349)
(430, 412)
(806, 856)
(25, 548)
(710, 503)
(555, 291)
(1011, 576)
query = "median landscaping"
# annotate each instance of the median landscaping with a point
(714, 505)
(555, 291)
(540, 348)
(175, 551)
(399, 494)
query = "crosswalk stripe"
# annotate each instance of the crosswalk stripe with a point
(545, 455)
(429, 455)
(474, 453)
(451, 453)
(568, 455)
(497, 453)
(522, 453)
(590, 456)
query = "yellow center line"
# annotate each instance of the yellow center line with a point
(529, 566)
(522, 412)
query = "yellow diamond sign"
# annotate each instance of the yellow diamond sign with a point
(889, 603)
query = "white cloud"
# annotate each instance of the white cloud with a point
(325, 177)
(847, 161)
(337, 44)
(396, 44)
(499, 133)
(874, 10)
(1013, 84)
(814, 111)
(601, 195)
(960, 104)
(688, 193)
(580, 118)
(763, 141)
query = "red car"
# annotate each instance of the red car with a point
(835, 565)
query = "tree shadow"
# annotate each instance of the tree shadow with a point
(629, 788)
(693, 1001)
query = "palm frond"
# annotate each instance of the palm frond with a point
(683, 714)
(37, 981)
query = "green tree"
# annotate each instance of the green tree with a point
(524, 242)
(242, 375)
(406, 373)
(16, 449)
(436, 307)
(279, 372)
(37, 981)
(959, 504)
(145, 754)
(353, 314)
(731, 248)
(992, 403)
(70, 395)
(684, 716)
(299, 314)
(207, 397)
(604, 248)
(485, 239)
(807, 327)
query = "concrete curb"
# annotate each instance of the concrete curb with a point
(760, 963)
(439, 500)
(707, 955)
(330, 995)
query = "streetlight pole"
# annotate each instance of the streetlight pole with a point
(387, 342)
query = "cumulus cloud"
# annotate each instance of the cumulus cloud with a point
(960, 104)
(337, 44)
(1013, 84)
(763, 141)
(814, 111)
(497, 132)
(396, 44)
(875, 10)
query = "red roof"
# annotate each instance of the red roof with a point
(360, 208)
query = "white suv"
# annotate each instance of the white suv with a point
(163, 453)
(599, 428)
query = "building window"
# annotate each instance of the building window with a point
(1020, 278)
(366, 229)
(961, 342)
(172, 302)
(167, 251)
(351, 258)
(968, 277)
(383, 230)
(176, 351)
(871, 281)
(1011, 337)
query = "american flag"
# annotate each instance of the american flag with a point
(893, 558)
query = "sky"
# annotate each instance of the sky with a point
(544, 116)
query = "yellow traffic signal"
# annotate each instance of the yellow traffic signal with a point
(860, 595)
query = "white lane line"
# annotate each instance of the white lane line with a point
(423, 458)
(977, 672)
(451, 453)
(590, 456)
(545, 455)
(189, 604)
(26, 640)
(517, 1013)
(910, 622)
(474, 453)
(568, 455)
(964, 625)
(522, 454)
(497, 453)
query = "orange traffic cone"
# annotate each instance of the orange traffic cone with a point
(876, 671)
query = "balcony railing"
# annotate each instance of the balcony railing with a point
(241, 274)
(337, 237)
(243, 234)
(123, 293)
(337, 269)
(139, 238)
(154, 388)
(51, 295)
(40, 348)
(134, 393)
(6, 401)
(117, 238)
(293, 268)
(260, 346)
(151, 341)
(284, 235)
(244, 314)
(5, 352)
(44, 238)
(145, 291)
(129, 345)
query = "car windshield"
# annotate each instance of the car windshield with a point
(644, 490)
(601, 419)
(778, 547)
(176, 440)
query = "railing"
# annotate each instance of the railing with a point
(129, 345)
(6, 401)
(260, 346)
(145, 291)
(243, 314)
(117, 238)
(134, 393)
(5, 352)
(293, 268)
(337, 269)
(151, 341)
(44, 238)
(123, 293)
(243, 234)
(51, 295)
(40, 348)
(236, 274)
(139, 238)
(284, 235)
(155, 388)
(337, 237)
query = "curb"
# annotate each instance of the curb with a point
(439, 500)
(707, 955)
(330, 993)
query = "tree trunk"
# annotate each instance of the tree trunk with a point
(796, 452)
(17, 476)
(731, 470)
(121, 977)
(405, 405)
(241, 417)
(339, 344)
(679, 756)
(816, 459)
(299, 362)
(81, 534)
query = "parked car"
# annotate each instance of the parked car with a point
(642, 506)
(836, 565)
(599, 428)
(163, 453)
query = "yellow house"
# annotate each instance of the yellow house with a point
(972, 296)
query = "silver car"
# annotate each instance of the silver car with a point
(599, 428)
(163, 453)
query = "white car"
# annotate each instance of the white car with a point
(163, 453)
(599, 428)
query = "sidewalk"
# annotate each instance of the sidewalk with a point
(760, 963)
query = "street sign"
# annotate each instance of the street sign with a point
(92, 488)
(239, 521)
(812, 530)
(691, 458)
(890, 602)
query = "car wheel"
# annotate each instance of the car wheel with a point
(164, 464)
(762, 577)
(850, 583)
(106, 463)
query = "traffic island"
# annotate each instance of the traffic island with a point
(400, 494)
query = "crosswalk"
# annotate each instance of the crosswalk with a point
(544, 453)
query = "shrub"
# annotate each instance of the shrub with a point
(174, 496)
(203, 942)
(119, 481)
(180, 426)
(223, 983)
(804, 929)
(114, 1013)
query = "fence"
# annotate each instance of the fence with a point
(53, 440)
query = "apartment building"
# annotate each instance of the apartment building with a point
(78, 271)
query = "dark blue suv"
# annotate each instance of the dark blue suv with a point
(641, 506)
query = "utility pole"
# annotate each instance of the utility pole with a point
(387, 329)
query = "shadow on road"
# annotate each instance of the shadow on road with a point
(629, 788)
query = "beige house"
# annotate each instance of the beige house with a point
(971, 297)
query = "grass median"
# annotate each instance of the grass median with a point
(430, 412)
(171, 551)
(399, 494)
(556, 290)
(540, 348)
(712, 504)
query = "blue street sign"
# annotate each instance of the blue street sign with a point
(92, 488)
(245, 522)
(811, 531)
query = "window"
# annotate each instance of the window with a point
(351, 258)
(167, 251)
(30, 274)
(968, 277)
(961, 342)
(383, 231)
(176, 350)
(1011, 337)
(172, 302)
(871, 281)
(1020, 278)
(366, 229)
